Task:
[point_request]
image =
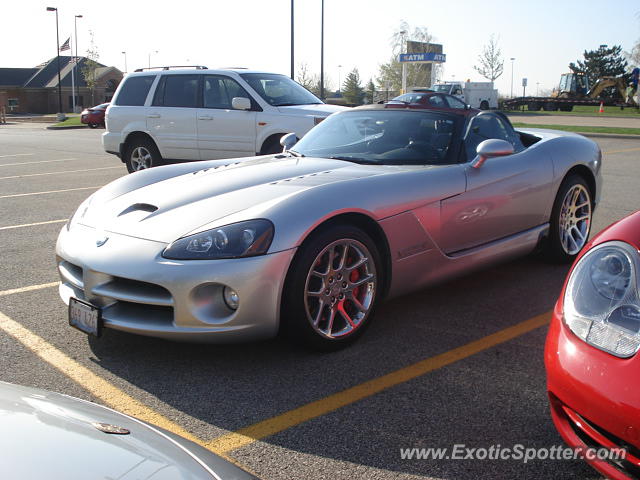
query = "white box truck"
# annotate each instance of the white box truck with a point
(480, 95)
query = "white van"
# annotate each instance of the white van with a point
(202, 114)
(480, 95)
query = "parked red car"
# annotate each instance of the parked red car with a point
(433, 101)
(94, 116)
(591, 352)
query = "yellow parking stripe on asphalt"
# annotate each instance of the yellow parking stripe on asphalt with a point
(59, 173)
(108, 393)
(10, 227)
(50, 191)
(279, 423)
(29, 288)
(621, 150)
(33, 163)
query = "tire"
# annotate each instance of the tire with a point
(550, 106)
(141, 153)
(570, 221)
(566, 108)
(93, 125)
(534, 106)
(484, 105)
(272, 147)
(317, 299)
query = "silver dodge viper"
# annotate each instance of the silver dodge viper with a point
(374, 202)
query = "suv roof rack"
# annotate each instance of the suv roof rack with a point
(169, 67)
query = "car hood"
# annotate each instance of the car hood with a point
(49, 435)
(318, 109)
(171, 208)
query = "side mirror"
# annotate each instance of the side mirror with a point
(241, 103)
(467, 106)
(288, 141)
(491, 148)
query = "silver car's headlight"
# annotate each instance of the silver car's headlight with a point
(601, 302)
(243, 239)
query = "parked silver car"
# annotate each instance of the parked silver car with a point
(373, 202)
(48, 435)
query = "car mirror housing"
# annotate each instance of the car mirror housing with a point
(241, 103)
(491, 148)
(288, 141)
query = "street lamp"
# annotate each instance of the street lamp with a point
(156, 52)
(339, 79)
(75, 64)
(292, 37)
(403, 40)
(60, 114)
(512, 60)
(125, 61)
(322, 50)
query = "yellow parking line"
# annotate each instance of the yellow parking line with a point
(271, 426)
(49, 191)
(16, 155)
(29, 288)
(58, 173)
(621, 150)
(33, 163)
(33, 224)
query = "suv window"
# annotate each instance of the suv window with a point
(177, 91)
(218, 91)
(437, 101)
(455, 103)
(484, 127)
(134, 91)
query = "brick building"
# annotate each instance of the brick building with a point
(35, 90)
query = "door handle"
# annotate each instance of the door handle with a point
(153, 115)
(205, 117)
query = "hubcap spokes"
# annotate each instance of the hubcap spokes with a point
(575, 218)
(340, 288)
(140, 158)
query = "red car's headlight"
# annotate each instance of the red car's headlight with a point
(601, 302)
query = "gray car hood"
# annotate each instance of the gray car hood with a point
(168, 209)
(49, 435)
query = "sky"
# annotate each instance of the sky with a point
(543, 36)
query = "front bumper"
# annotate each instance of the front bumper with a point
(595, 400)
(141, 292)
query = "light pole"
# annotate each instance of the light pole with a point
(75, 64)
(322, 51)
(403, 34)
(512, 60)
(537, 89)
(339, 78)
(125, 61)
(292, 57)
(60, 114)
(156, 52)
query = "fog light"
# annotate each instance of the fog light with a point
(231, 298)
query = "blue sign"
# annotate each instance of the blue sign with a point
(423, 57)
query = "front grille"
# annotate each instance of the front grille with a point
(588, 432)
(122, 300)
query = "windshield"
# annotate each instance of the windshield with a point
(443, 88)
(278, 90)
(383, 137)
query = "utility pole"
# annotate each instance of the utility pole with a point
(292, 44)
(512, 60)
(74, 67)
(125, 61)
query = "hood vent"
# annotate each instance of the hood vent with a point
(138, 207)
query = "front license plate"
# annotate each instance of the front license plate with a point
(84, 317)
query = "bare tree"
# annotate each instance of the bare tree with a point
(491, 64)
(89, 66)
(305, 77)
(634, 55)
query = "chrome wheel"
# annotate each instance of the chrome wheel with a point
(141, 158)
(340, 288)
(575, 219)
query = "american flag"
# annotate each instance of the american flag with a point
(65, 45)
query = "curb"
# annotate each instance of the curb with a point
(69, 127)
(610, 135)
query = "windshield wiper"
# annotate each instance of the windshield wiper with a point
(362, 161)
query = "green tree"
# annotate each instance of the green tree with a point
(370, 92)
(89, 66)
(491, 64)
(603, 62)
(390, 73)
(352, 90)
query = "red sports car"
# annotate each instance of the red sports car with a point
(94, 116)
(592, 347)
(433, 101)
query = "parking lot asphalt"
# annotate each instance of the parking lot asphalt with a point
(459, 363)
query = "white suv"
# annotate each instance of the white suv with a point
(202, 114)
